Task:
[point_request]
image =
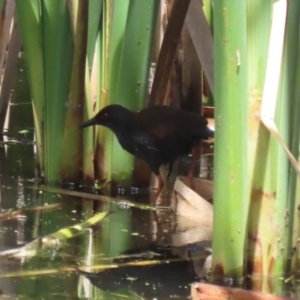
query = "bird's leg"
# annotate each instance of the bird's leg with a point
(158, 190)
(170, 170)
(161, 197)
(160, 184)
(195, 154)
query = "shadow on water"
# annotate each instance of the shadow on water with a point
(135, 252)
(171, 276)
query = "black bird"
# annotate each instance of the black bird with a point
(158, 134)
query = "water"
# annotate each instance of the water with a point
(134, 252)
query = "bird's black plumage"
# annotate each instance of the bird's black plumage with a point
(158, 134)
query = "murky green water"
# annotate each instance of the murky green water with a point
(132, 251)
(135, 252)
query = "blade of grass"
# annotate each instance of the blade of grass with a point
(230, 181)
(8, 81)
(1, 4)
(29, 18)
(103, 136)
(89, 196)
(258, 38)
(58, 53)
(266, 159)
(290, 94)
(271, 103)
(72, 144)
(92, 88)
(95, 12)
(133, 75)
(54, 240)
(6, 19)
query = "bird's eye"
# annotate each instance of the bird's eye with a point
(104, 116)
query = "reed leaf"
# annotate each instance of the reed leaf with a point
(103, 136)
(261, 180)
(73, 9)
(124, 64)
(72, 144)
(267, 160)
(133, 73)
(208, 11)
(230, 188)
(56, 239)
(95, 12)
(116, 16)
(31, 31)
(88, 175)
(58, 53)
(20, 159)
(117, 32)
(290, 94)
(1, 4)
(92, 88)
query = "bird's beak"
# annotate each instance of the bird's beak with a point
(90, 122)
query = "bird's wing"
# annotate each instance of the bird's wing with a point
(144, 139)
(164, 131)
(159, 127)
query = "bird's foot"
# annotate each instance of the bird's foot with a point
(192, 184)
(161, 198)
